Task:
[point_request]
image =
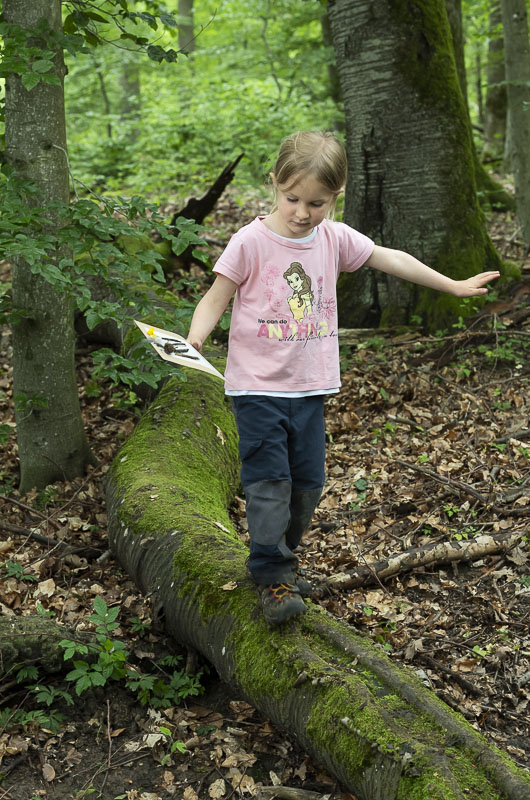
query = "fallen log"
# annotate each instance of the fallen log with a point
(429, 554)
(372, 724)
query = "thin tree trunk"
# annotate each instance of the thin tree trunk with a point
(373, 725)
(411, 183)
(130, 100)
(186, 27)
(51, 439)
(333, 74)
(517, 63)
(496, 98)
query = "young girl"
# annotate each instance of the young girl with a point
(283, 353)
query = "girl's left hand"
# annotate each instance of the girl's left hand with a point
(472, 287)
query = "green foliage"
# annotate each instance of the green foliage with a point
(36, 718)
(259, 71)
(510, 350)
(29, 55)
(108, 660)
(362, 490)
(5, 433)
(13, 569)
(101, 662)
(103, 256)
(175, 746)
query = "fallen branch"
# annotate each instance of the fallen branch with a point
(65, 548)
(435, 553)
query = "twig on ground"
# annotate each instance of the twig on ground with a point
(460, 486)
(466, 685)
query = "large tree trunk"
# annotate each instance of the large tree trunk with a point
(517, 64)
(411, 181)
(51, 438)
(373, 725)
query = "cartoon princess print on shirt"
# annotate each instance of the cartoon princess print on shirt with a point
(301, 300)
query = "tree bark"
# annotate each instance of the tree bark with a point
(372, 724)
(411, 182)
(51, 439)
(517, 64)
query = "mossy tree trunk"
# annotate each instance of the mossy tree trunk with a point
(411, 183)
(372, 724)
(50, 433)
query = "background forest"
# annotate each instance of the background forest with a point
(117, 117)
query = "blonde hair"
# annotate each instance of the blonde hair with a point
(316, 153)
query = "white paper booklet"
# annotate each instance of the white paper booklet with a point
(172, 347)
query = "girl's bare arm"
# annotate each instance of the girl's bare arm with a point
(403, 265)
(210, 309)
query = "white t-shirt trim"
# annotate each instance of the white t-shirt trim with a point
(309, 393)
(293, 238)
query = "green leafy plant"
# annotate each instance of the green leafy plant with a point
(175, 745)
(38, 718)
(109, 265)
(108, 659)
(13, 569)
(362, 486)
(451, 510)
(139, 626)
(110, 654)
(5, 433)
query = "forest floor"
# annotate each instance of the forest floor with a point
(428, 442)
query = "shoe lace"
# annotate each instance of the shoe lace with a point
(280, 590)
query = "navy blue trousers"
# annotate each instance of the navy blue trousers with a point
(282, 451)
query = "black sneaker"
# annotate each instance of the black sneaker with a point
(280, 602)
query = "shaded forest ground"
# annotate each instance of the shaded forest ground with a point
(428, 441)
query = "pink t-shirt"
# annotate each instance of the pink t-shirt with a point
(283, 334)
